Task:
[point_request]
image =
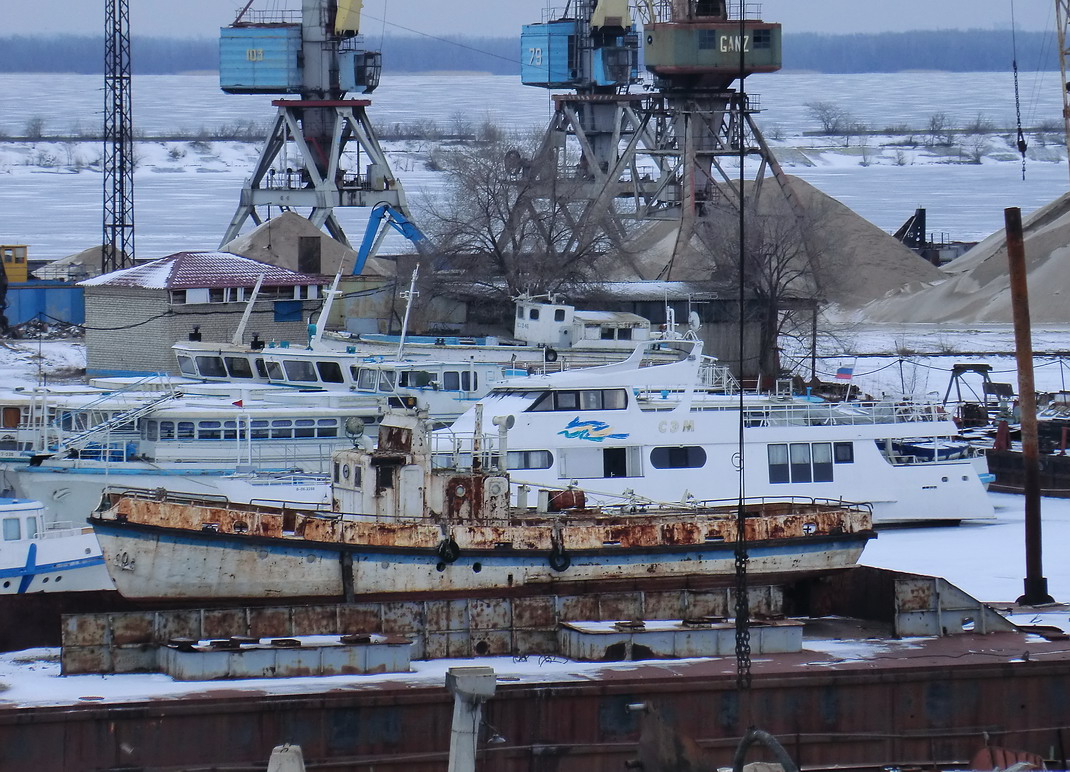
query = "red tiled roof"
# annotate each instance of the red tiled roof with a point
(189, 270)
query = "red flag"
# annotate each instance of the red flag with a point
(237, 404)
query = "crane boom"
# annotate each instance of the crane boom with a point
(1062, 18)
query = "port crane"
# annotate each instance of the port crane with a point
(632, 158)
(321, 151)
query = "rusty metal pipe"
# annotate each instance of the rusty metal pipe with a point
(1035, 585)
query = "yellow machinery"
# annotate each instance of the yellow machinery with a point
(14, 257)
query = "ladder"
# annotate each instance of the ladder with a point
(80, 440)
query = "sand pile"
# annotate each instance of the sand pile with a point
(977, 289)
(277, 240)
(855, 261)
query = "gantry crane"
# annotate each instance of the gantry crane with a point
(321, 151)
(1062, 19)
(630, 158)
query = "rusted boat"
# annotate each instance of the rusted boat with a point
(408, 522)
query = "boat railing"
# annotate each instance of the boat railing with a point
(112, 494)
(52, 532)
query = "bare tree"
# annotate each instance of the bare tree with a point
(508, 228)
(834, 119)
(780, 266)
(941, 129)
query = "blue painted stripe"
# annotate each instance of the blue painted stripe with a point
(32, 569)
(28, 572)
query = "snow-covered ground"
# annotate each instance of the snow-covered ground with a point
(186, 191)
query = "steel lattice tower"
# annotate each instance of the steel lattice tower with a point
(118, 237)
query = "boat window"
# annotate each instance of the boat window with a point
(299, 370)
(209, 430)
(261, 370)
(238, 367)
(415, 379)
(366, 379)
(822, 453)
(844, 452)
(533, 313)
(327, 427)
(151, 430)
(529, 459)
(230, 430)
(799, 457)
(305, 427)
(779, 472)
(559, 314)
(186, 366)
(624, 333)
(185, 430)
(621, 462)
(591, 399)
(330, 372)
(258, 429)
(607, 333)
(32, 527)
(543, 403)
(614, 399)
(281, 428)
(12, 531)
(519, 312)
(337, 472)
(167, 430)
(386, 380)
(566, 400)
(684, 457)
(469, 381)
(451, 380)
(274, 371)
(211, 367)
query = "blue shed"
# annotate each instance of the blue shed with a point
(50, 301)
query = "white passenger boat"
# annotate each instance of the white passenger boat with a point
(402, 527)
(669, 432)
(34, 558)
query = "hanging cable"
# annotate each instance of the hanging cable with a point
(743, 663)
(1022, 146)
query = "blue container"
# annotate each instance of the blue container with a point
(548, 54)
(260, 60)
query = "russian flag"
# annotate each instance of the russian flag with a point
(844, 373)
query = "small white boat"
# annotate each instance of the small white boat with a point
(38, 559)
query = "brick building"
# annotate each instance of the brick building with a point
(134, 315)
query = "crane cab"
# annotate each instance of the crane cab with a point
(699, 45)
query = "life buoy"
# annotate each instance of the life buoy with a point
(448, 550)
(559, 559)
(550, 355)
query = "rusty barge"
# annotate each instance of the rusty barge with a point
(408, 522)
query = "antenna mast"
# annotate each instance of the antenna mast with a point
(118, 240)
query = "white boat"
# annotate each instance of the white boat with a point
(402, 527)
(670, 432)
(34, 558)
(267, 448)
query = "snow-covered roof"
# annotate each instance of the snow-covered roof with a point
(188, 270)
(610, 317)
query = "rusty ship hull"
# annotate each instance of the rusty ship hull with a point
(170, 550)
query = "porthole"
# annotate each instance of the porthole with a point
(477, 567)
(345, 471)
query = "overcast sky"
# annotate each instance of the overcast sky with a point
(201, 18)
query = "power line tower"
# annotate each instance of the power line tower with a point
(321, 151)
(118, 220)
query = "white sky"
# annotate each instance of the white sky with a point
(201, 18)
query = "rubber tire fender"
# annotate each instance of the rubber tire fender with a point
(448, 551)
(559, 559)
